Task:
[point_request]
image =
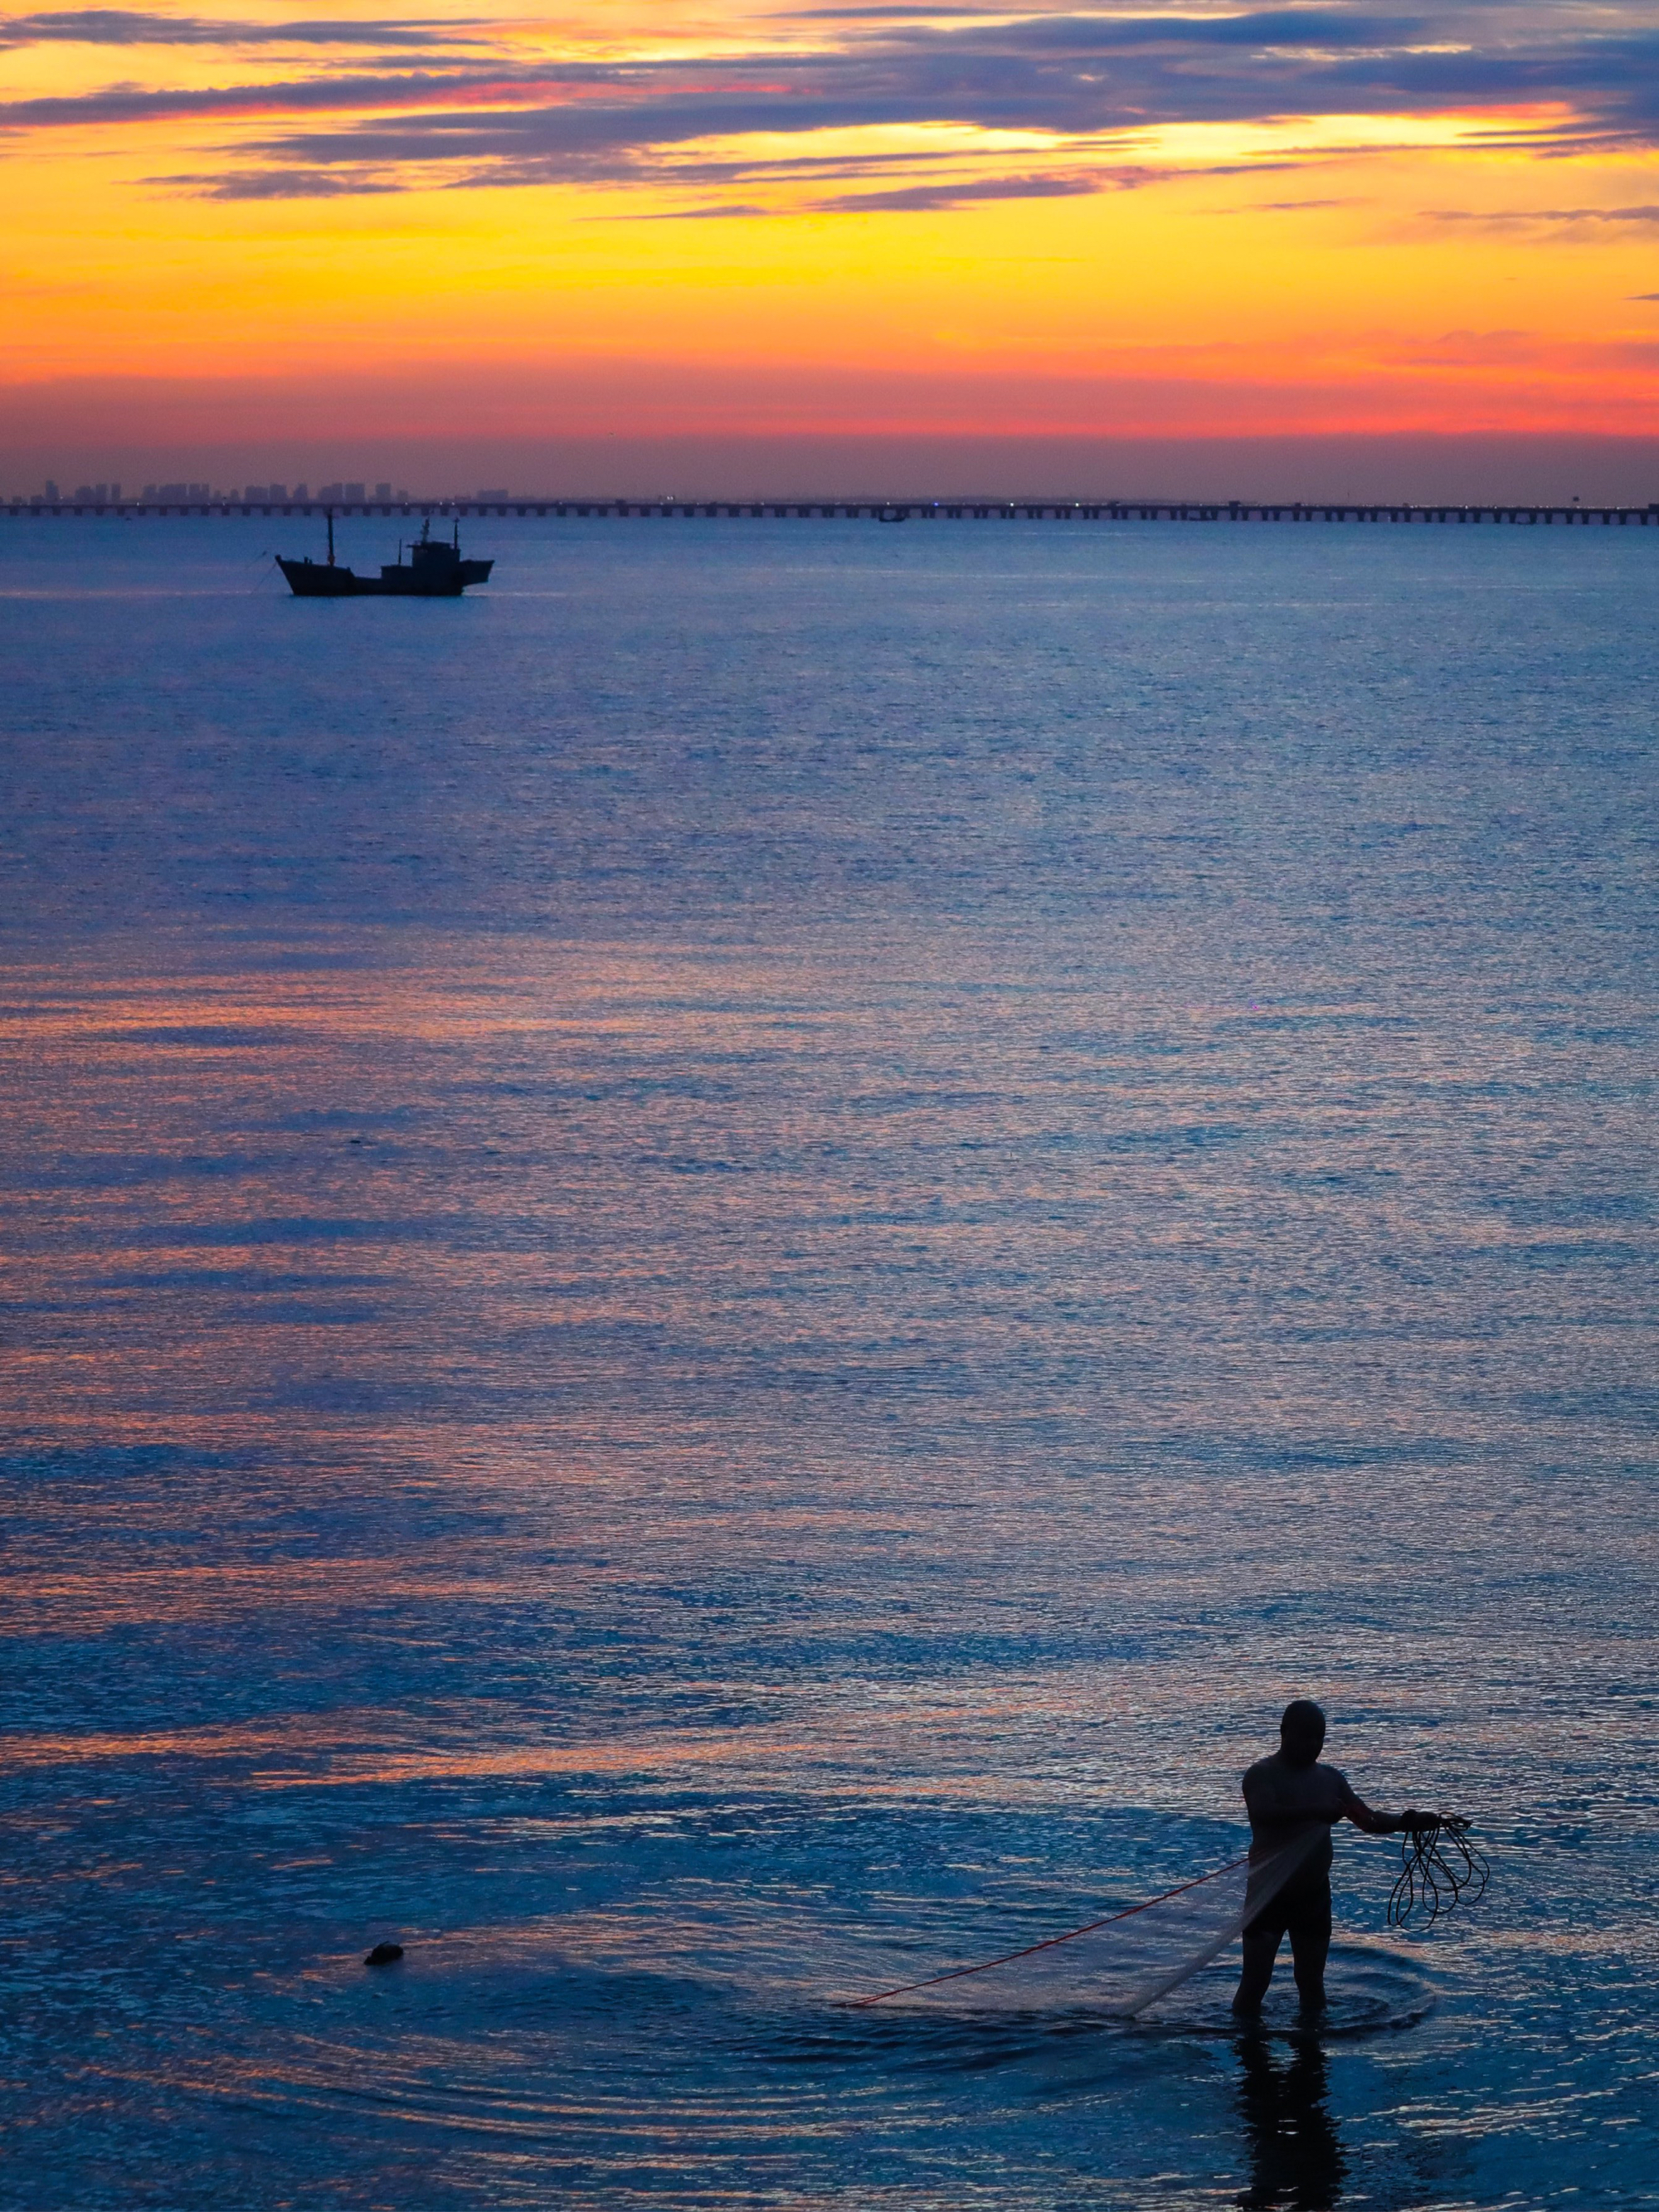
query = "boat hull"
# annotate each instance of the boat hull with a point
(322, 580)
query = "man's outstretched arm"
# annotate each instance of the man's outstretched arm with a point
(1411, 1821)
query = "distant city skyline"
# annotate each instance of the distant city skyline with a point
(350, 491)
(1623, 471)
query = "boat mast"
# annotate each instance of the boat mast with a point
(331, 537)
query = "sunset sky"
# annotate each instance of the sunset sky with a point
(311, 233)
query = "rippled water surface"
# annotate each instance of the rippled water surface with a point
(717, 1268)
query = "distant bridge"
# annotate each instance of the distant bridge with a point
(901, 510)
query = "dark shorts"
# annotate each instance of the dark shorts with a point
(1300, 1911)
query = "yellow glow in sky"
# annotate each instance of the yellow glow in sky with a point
(632, 217)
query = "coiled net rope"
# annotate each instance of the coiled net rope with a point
(1439, 1868)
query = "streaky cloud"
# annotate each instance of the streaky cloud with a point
(1088, 82)
(930, 200)
(121, 27)
(132, 104)
(733, 211)
(1643, 216)
(278, 185)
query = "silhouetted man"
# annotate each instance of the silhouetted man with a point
(1289, 1792)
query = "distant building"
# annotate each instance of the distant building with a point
(53, 493)
(354, 492)
(383, 491)
(495, 495)
(300, 494)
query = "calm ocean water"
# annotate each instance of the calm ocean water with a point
(717, 1268)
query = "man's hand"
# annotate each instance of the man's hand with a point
(1411, 1822)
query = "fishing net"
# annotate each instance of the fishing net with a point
(1128, 1960)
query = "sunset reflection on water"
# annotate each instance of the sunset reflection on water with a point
(777, 1401)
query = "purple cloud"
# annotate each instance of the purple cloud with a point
(1086, 77)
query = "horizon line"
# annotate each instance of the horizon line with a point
(953, 506)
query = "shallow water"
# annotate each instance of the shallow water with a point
(718, 1267)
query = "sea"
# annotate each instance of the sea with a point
(717, 1268)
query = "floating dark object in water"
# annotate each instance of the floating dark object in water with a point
(383, 1955)
(434, 570)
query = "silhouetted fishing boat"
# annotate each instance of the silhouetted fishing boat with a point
(434, 570)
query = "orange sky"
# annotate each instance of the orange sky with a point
(632, 219)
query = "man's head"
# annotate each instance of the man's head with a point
(1302, 1732)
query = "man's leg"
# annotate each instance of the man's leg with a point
(1262, 1941)
(1311, 1944)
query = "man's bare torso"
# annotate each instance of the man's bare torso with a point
(1278, 1797)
